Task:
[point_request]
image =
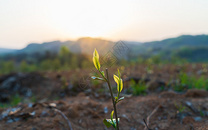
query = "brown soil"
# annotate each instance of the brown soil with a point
(86, 107)
(87, 113)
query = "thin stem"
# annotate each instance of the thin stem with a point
(114, 104)
(118, 95)
(102, 75)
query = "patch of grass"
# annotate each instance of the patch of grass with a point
(183, 82)
(15, 100)
(188, 82)
(33, 99)
(64, 83)
(4, 105)
(200, 83)
(180, 107)
(138, 88)
(202, 113)
(101, 90)
(179, 88)
(95, 82)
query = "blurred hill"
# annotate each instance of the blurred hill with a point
(193, 48)
(83, 45)
(5, 50)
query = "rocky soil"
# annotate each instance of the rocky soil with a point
(64, 101)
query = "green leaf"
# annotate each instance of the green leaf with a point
(113, 122)
(116, 78)
(95, 54)
(119, 82)
(96, 63)
(112, 115)
(107, 124)
(119, 75)
(121, 85)
(96, 59)
(97, 78)
(122, 98)
(116, 98)
(103, 73)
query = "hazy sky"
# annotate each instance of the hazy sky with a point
(26, 21)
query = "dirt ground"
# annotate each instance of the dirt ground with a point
(59, 94)
(86, 113)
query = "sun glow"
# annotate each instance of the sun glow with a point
(26, 21)
(94, 20)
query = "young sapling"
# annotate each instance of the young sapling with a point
(104, 77)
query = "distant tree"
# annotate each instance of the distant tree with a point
(74, 62)
(86, 64)
(24, 66)
(8, 67)
(46, 65)
(156, 59)
(64, 52)
(56, 64)
(65, 56)
(140, 60)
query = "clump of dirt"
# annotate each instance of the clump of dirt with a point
(196, 93)
(26, 86)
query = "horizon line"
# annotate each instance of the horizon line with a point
(102, 38)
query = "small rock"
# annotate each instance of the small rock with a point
(182, 115)
(13, 120)
(191, 106)
(188, 103)
(8, 83)
(28, 93)
(197, 118)
(156, 128)
(44, 114)
(33, 128)
(62, 94)
(105, 110)
(13, 110)
(125, 116)
(32, 113)
(96, 95)
(52, 104)
(132, 128)
(29, 105)
(80, 121)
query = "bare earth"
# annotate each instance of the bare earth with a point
(86, 108)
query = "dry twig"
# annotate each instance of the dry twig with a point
(148, 118)
(64, 116)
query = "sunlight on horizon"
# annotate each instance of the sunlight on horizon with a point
(26, 21)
